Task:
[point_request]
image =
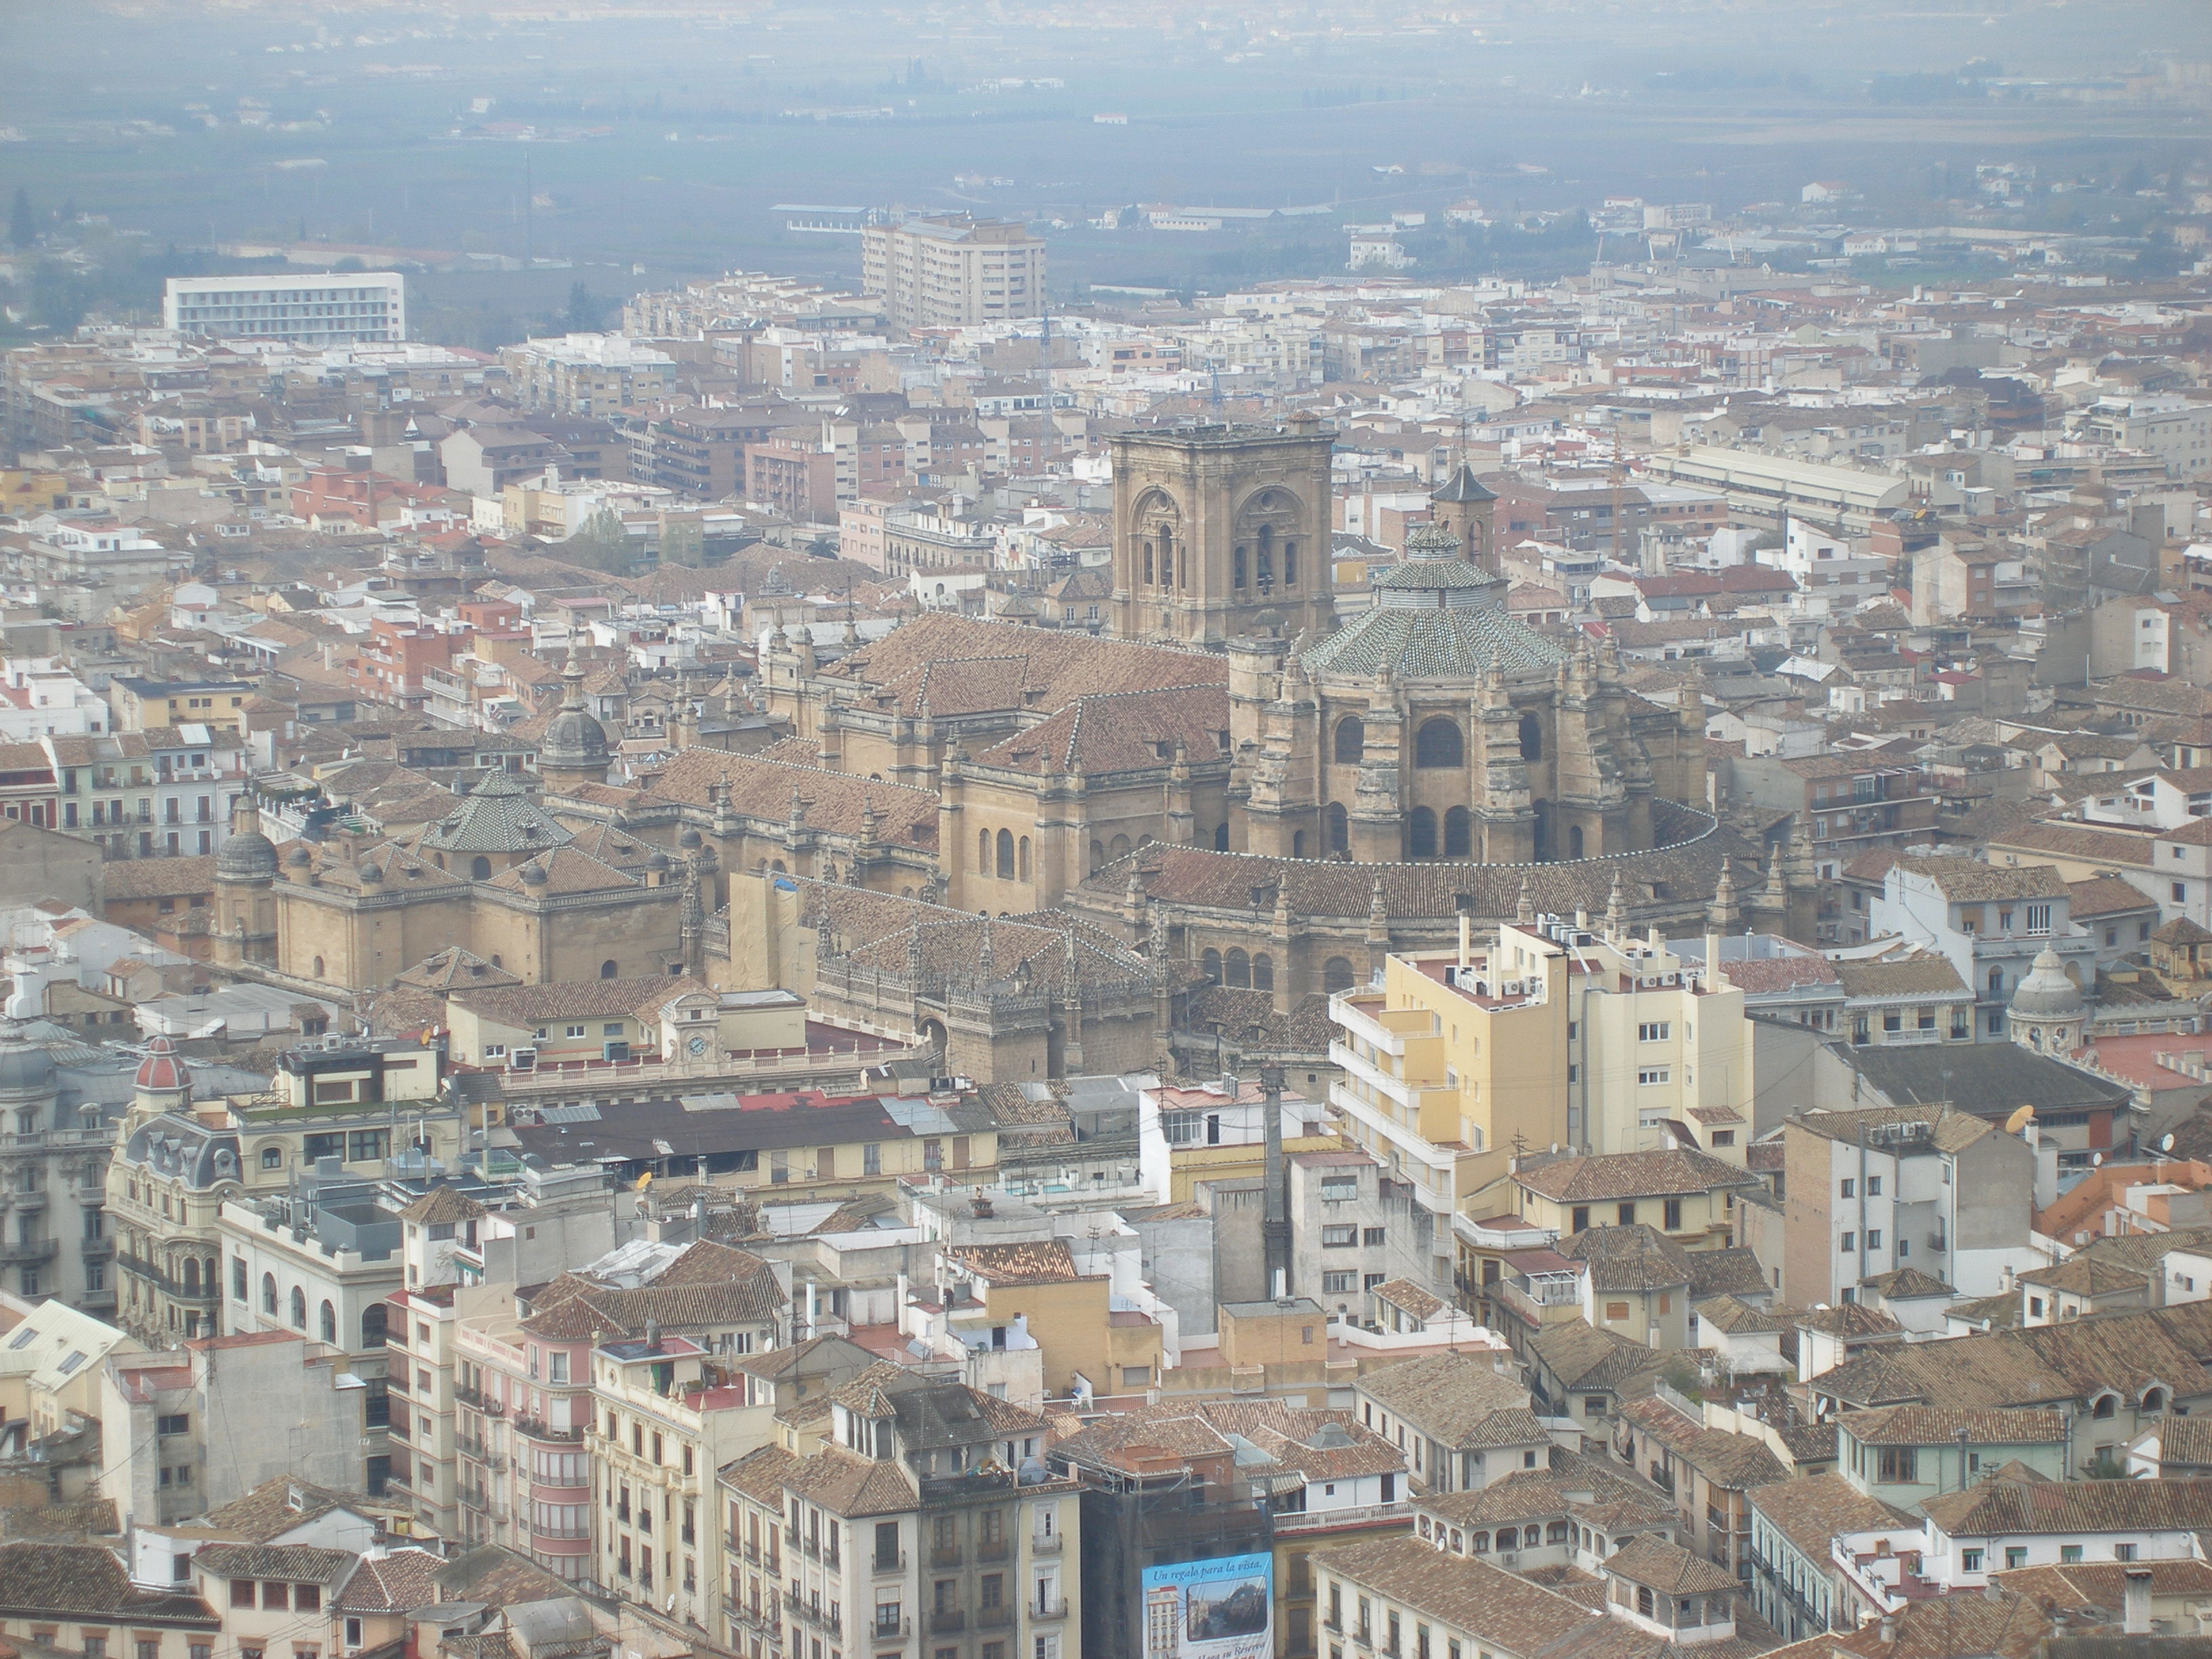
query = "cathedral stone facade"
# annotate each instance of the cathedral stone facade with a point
(1222, 531)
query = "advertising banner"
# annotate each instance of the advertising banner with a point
(1219, 1609)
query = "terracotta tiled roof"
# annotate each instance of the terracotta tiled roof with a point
(1935, 1425)
(1047, 1262)
(1457, 1400)
(1810, 1509)
(87, 1581)
(1577, 1180)
(2074, 1506)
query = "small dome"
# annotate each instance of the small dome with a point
(162, 1072)
(658, 861)
(574, 738)
(690, 838)
(533, 875)
(2047, 993)
(25, 1068)
(248, 856)
(300, 858)
(369, 873)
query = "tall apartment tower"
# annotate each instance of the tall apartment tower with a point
(952, 272)
(1222, 532)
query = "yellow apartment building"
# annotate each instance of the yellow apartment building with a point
(1025, 1293)
(1461, 1059)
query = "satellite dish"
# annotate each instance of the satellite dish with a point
(2019, 1119)
(2096, 1160)
(2166, 1141)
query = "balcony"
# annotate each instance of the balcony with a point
(894, 1561)
(993, 1618)
(1044, 1543)
(1048, 1608)
(992, 1549)
(32, 1252)
(1351, 1515)
(537, 1429)
(203, 1293)
(890, 1629)
(947, 1623)
(814, 1618)
(945, 1555)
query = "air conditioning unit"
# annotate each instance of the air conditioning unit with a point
(522, 1060)
(1511, 988)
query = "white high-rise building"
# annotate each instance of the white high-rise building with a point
(321, 308)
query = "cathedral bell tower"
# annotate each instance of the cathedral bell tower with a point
(1222, 532)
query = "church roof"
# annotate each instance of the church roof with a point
(1463, 486)
(497, 816)
(1433, 644)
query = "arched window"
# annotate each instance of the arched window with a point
(1209, 963)
(318, 967)
(2153, 1400)
(299, 1309)
(1351, 740)
(1338, 822)
(1263, 972)
(1022, 855)
(1556, 1533)
(272, 1158)
(268, 1294)
(1097, 856)
(1459, 833)
(327, 1324)
(1542, 849)
(2106, 1407)
(1148, 562)
(480, 868)
(609, 970)
(1290, 564)
(1532, 737)
(1297, 843)
(1574, 841)
(1531, 1536)
(1438, 745)
(1006, 855)
(1336, 975)
(1643, 1600)
(1220, 837)
(1236, 569)
(1420, 833)
(1237, 971)
(1478, 1542)
(1118, 848)
(372, 1325)
(1997, 982)
(192, 1276)
(982, 852)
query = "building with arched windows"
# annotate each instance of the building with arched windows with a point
(1436, 725)
(166, 1188)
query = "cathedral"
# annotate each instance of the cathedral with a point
(1237, 781)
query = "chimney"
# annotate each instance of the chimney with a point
(2135, 1616)
(1889, 1631)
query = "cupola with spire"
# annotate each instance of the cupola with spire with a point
(573, 749)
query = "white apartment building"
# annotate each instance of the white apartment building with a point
(953, 271)
(2176, 429)
(324, 308)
